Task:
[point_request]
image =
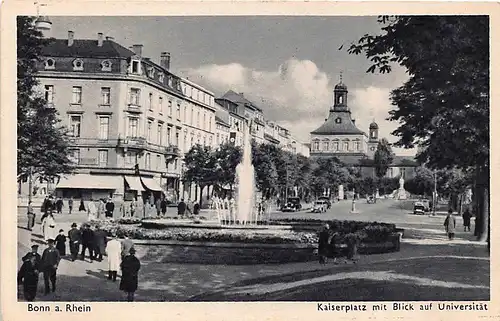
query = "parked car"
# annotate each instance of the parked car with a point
(292, 205)
(327, 200)
(320, 206)
(421, 207)
(371, 199)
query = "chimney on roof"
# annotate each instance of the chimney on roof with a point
(99, 39)
(71, 38)
(110, 38)
(165, 60)
(137, 49)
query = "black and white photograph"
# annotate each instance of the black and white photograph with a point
(243, 158)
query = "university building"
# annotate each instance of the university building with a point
(339, 137)
(129, 118)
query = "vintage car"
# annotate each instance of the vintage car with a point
(292, 205)
(371, 199)
(320, 206)
(327, 200)
(421, 207)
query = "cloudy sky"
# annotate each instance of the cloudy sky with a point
(287, 65)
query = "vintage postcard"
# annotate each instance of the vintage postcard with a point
(244, 160)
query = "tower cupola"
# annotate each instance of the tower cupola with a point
(340, 96)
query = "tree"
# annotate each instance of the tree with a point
(328, 173)
(201, 167)
(443, 107)
(383, 158)
(42, 144)
(422, 183)
(266, 175)
(227, 157)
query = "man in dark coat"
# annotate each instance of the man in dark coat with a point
(87, 242)
(163, 206)
(28, 276)
(50, 262)
(196, 208)
(100, 240)
(47, 207)
(110, 208)
(34, 252)
(82, 206)
(130, 268)
(75, 238)
(181, 207)
(324, 244)
(466, 216)
(70, 204)
(59, 205)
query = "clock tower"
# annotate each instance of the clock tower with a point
(373, 139)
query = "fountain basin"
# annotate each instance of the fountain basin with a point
(209, 224)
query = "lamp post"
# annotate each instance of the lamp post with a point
(434, 194)
(30, 185)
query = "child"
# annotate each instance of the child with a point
(61, 243)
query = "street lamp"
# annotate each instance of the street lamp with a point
(434, 194)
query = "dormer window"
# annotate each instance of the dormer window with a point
(161, 77)
(151, 72)
(338, 120)
(135, 67)
(78, 64)
(50, 64)
(106, 65)
(170, 81)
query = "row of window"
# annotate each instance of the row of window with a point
(78, 64)
(334, 146)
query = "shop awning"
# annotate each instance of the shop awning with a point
(90, 181)
(152, 184)
(134, 183)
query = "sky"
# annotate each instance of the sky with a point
(288, 65)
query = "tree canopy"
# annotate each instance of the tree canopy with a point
(383, 158)
(41, 140)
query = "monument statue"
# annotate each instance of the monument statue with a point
(401, 191)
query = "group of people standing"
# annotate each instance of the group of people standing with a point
(184, 208)
(120, 255)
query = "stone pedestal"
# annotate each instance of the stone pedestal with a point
(341, 192)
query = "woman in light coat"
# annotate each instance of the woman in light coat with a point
(49, 228)
(114, 252)
(450, 224)
(92, 210)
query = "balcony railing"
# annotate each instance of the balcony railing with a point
(172, 150)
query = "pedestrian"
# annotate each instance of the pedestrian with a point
(450, 224)
(70, 204)
(132, 208)
(92, 210)
(130, 268)
(59, 205)
(34, 252)
(28, 277)
(323, 244)
(49, 264)
(87, 242)
(181, 207)
(158, 207)
(114, 251)
(47, 207)
(61, 243)
(31, 216)
(127, 244)
(75, 238)
(49, 227)
(189, 207)
(81, 208)
(101, 208)
(196, 208)
(110, 208)
(100, 239)
(163, 206)
(466, 216)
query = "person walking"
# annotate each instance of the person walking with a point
(49, 265)
(127, 244)
(158, 207)
(31, 216)
(92, 210)
(70, 204)
(130, 278)
(49, 227)
(48, 206)
(323, 244)
(163, 206)
(100, 239)
(59, 205)
(466, 217)
(75, 238)
(61, 243)
(110, 208)
(196, 208)
(101, 209)
(81, 208)
(28, 277)
(132, 208)
(87, 242)
(114, 251)
(450, 224)
(181, 208)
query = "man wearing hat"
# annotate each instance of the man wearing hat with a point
(50, 262)
(28, 276)
(33, 253)
(75, 238)
(130, 278)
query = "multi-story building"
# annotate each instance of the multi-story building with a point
(129, 119)
(223, 126)
(339, 137)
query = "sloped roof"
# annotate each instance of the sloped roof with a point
(86, 49)
(343, 127)
(239, 99)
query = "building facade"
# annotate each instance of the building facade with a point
(339, 137)
(129, 119)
